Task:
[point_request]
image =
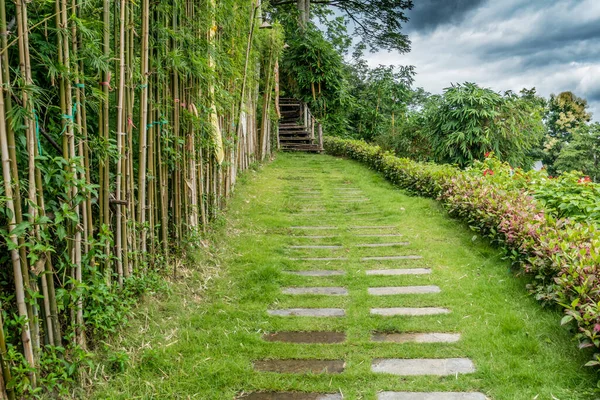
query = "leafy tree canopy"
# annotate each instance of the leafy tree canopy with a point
(377, 22)
(582, 153)
(566, 113)
(469, 121)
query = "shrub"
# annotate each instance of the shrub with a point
(517, 211)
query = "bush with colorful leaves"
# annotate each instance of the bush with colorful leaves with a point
(546, 226)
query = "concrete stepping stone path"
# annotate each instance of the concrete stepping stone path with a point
(415, 337)
(423, 366)
(381, 235)
(291, 396)
(403, 271)
(314, 227)
(317, 273)
(388, 258)
(430, 396)
(325, 291)
(390, 291)
(316, 247)
(308, 312)
(300, 366)
(409, 311)
(306, 337)
(368, 245)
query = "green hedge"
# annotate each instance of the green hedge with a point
(561, 255)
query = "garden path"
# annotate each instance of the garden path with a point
(335, 285)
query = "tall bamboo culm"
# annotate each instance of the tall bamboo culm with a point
(123, 128)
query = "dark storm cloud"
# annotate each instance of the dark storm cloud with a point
(553, 45)
(551, 42)
(427, 15)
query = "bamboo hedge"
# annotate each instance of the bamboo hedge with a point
(123, 127)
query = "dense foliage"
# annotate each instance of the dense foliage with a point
(378, 23)
(520, 211)
(123, 126)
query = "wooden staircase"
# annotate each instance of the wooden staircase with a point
(297, 128)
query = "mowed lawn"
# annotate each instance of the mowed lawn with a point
(200, 340)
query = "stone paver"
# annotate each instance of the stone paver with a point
(389, 291)
(308, 312)
(374, 227)
(402, 271)
(300, 366)
(381, 235)
(416, 337)
(383, 244)
(423, 366)
(315, 236)
(319, 259)
(316, 247)
(314, 227)
(325, 291)
(306, 337)
(317, 273)
(386, 258)
(409, 311)
(291, 396)
(430, 396)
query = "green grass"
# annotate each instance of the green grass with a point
(200, 343)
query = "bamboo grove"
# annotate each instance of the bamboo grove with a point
(123, 127)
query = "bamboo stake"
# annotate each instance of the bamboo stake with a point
(120, 143)
(6, 375)
(143, 125)
(21, 275)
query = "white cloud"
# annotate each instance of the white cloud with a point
(511, 44)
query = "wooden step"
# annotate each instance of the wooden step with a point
(294, 139)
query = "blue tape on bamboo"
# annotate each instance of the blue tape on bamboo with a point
(144, 86)
(37, 133)
(79, 85)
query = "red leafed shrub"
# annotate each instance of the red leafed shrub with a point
(561, 255)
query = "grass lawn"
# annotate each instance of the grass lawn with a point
(200, 340)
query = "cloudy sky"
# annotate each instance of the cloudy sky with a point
(552, 45)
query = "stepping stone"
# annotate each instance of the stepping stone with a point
(314, 227)
(308, 312)
(315, 237)
(409, 311)
(383, 244)
(316, 273)
(424, 366)
(315, 247)
(306, 337)
(325, 291)
(291, 396)
(300, 366)
(385, 258)
(416, 337)
(403, 271)
(384, 235)
(430, 396)
(373, 227)
(319, 259)
(390, 291)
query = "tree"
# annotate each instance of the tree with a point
(377, 22)
(582, 153)
(314, 72)
(469, 121)
(381, 95)
(566, 113)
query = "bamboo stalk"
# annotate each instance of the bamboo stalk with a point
(4, 367)
(143, 140)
